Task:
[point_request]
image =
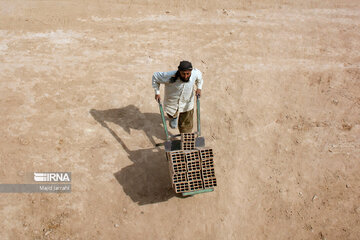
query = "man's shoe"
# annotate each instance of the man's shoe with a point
(173, 122)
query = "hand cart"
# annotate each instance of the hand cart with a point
(173, 144)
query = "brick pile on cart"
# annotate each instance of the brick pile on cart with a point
(191, 168)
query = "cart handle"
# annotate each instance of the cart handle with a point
(198, 114)
(163, 120)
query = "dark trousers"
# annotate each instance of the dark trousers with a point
(185, 121)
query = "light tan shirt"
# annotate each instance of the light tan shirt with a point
(179, 96)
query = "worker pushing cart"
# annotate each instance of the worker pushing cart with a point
(191, 165)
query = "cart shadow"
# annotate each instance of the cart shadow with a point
(147, 180)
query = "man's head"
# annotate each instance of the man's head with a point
(185, 69)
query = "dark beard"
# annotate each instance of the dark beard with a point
(183, 79)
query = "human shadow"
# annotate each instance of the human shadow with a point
(147, 180)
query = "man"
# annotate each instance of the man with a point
(179, 94)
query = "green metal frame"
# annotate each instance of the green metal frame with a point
(197, 192)
(198, 114)
(163, 120)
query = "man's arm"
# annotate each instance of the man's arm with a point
(199, 82)
(159, 78)
(156, 80)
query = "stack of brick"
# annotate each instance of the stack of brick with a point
(191, 169)
(207, 166)
(187, 141)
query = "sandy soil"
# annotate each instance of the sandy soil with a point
(280, 108)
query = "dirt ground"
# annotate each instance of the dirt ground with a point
(280, 108)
